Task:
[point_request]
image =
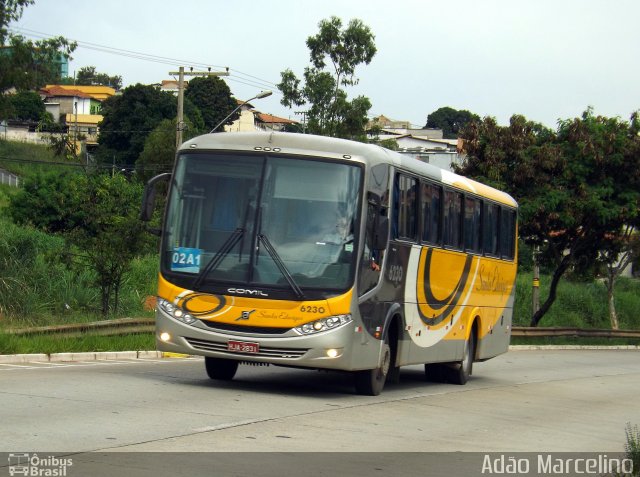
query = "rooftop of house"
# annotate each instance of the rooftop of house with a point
(385, 122)
(269, 118)
(99, 93)
(59, 91)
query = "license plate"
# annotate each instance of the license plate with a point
(243, 347)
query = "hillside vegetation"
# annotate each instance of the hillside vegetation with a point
(38, 286)
(42, 281)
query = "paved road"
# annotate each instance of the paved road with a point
(530, 401)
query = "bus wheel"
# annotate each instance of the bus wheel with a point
(370, 382)
(459, 373)
(221, 369)
(435, 372)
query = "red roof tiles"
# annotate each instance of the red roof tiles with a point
(268, 118)
(57, 91)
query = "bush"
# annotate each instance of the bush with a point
(525, 257)
(37, 288)
(25, 272)
(632, 447)
(579, 304)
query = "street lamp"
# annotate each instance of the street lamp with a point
(75, 136)
(262, 94)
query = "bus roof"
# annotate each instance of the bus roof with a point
(321, 146)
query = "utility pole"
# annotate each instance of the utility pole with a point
(180, 120)
(304, 120)
(181, 74)
(75, 135)
(536, 280)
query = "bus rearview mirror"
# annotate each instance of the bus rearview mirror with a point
(149, 196)
(381, 233)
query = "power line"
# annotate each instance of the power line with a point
(114, 50)
(256, 85)
(239, 76)
(122, 167)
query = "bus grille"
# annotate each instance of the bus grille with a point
(263, 330)
(265, 352)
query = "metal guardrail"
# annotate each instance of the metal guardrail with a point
(573, 332)
(122, 326)
(125, 326)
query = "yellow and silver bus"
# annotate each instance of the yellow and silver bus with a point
(322, 253)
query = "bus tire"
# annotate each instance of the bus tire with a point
(220, 369)
(435, 372)
(459, 372)
(370, 382)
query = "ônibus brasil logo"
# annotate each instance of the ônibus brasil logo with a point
(36, 466)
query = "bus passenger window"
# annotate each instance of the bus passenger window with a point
(507, 234)
(491, 229)
(406, 208)
(371, 259)
(472, 231)
(453, 219)
(431, 206)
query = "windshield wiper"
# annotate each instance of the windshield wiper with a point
(281, 266)
(224, 250)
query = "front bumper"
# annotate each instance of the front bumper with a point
(332, 349)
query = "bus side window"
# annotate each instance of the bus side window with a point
(406, 219)
(453, 219)
(491, 229)
(371, 260)
(472, 225)
(431, 197)
(507, 234)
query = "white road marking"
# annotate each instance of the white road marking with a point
(81, 364)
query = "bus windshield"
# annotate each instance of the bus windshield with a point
(268, 222)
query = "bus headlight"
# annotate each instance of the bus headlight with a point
(323, 324)
(175, 312)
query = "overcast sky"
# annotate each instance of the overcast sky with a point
(545, 59)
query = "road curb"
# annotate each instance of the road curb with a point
(115, 355)
(570, 347)
(90, 356)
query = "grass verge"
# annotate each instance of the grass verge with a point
(573, 341)
(579, 304)
(63, 344)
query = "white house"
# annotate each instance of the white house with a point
(252, 120)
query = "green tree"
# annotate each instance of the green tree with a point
(64, 145)
(111, 235)
(130, 117)
(576, 186)
(27, 106)
(159, 150)
(10, 11)
(47, 201)
(26, 64)
(450, 120)
(97, 215)
(212, 97)
(334, 53)
(618, 253)
(391, 144)
(88, 76)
